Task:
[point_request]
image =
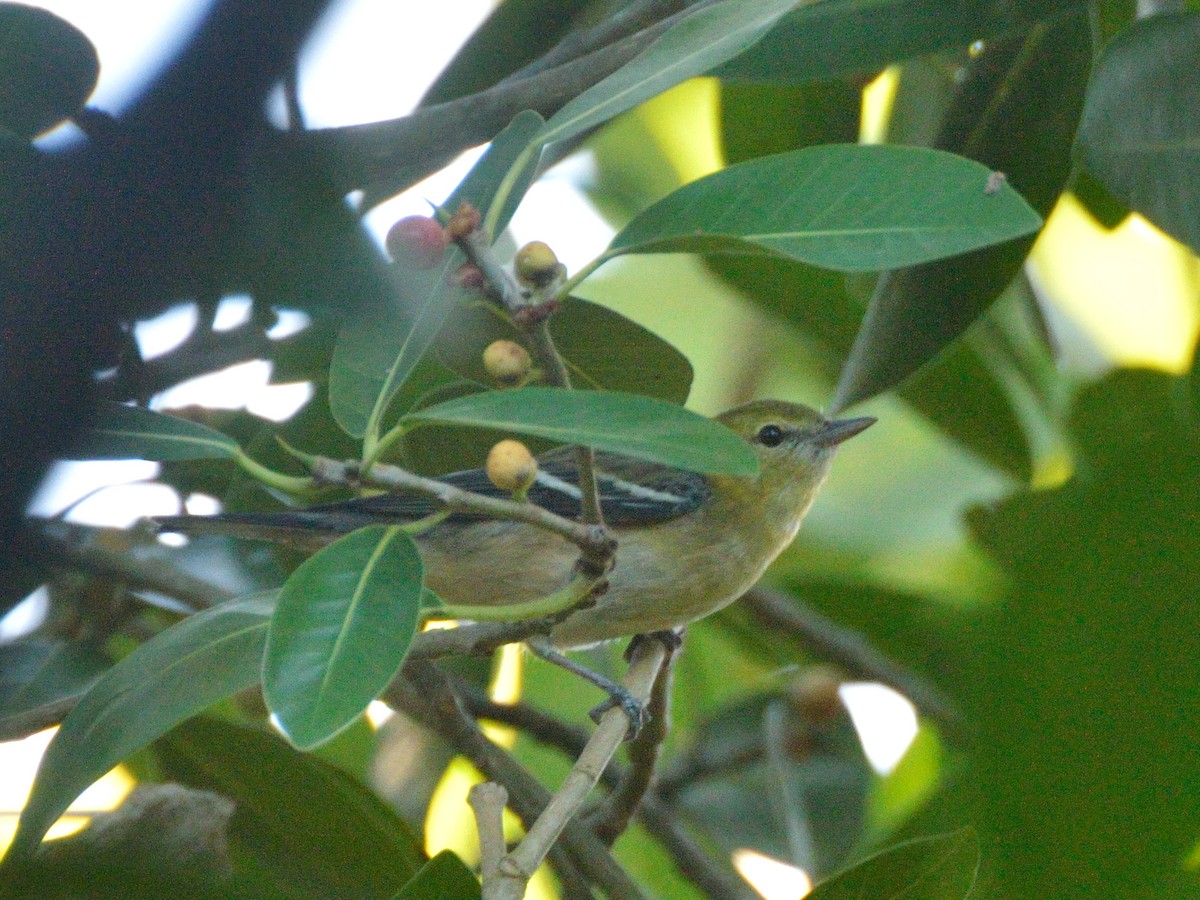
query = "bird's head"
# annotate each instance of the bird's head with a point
(794, 443)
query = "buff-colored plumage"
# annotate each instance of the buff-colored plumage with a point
(670, 569)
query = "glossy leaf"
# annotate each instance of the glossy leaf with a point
(443, 876)
(341, 629)
(635, 426)
(703, 40)
(48, 69)
(629, 358)
(846, 207)
(132, 432)
(935, 868)
(168, 679)
(1016, 112)
(1140, 134)
(835, 37)
(300, 822)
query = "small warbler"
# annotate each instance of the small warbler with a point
(688, 543)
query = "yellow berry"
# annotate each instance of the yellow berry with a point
(536, 264)
(511, 467)
(506, 361)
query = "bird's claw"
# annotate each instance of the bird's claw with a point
(633, 708)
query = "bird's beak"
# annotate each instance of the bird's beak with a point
(833, 433)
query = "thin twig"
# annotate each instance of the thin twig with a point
(522, 862)
(656, 815)
(849, 649)
(426, 696)
(487, 802)
(610, 820)
(593, 540)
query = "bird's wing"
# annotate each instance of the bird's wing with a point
(627, 496)
(669, 494)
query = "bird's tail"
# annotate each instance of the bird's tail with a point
(302, 529)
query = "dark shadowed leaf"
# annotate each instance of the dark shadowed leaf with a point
(300, 822)
(1016, 112)
(340, 631)
(39, 675)
(48, 69)
(935, 868)
(443, 876)
(168, 679)
(832, 37)
(602, 349)
(1140, 134)
(1098, 634)
(131, 432)
(764, 119)
(841, 206)
(629, 424)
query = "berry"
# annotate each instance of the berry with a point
(511, 467)
(418, 240)
(507, 362)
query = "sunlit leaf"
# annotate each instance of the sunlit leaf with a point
(48, 69)
(132, 432)
(842, 206)
(342, 627)
(635, 426)
(1140, 134)
(168, 679)
(935, 868)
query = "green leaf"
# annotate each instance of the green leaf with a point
(168, 679)
(516, 33)
(703, 40)
(835, 37)
(630, 358)
(443, 876)
(1016, 112)
(1140, 134)
(131, 432)
(1098, 634)
(507, 150)
(300, 822)
(628, 424)
(840, 206)
(342, 627)
(48, 69)
(379, 347)
(935, 868)
(38, 675)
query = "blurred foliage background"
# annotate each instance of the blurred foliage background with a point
(1017, 537)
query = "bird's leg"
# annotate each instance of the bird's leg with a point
(633, 708)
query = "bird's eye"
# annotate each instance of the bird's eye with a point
(770, 435)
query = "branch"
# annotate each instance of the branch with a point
(849, 649)
(518, 867)
(359, 154)
(610, 820)
(426, 696)
(595, 541)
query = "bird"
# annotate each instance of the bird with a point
(688, 543)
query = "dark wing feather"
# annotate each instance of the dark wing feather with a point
(627, 497)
